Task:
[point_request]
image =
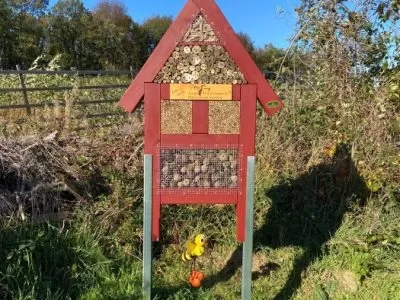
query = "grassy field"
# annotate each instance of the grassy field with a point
(326, 215)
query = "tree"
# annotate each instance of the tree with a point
(70, 31)
(121, 42)
(348, 43)
(113, 12)
(248, 43)
(155, 27)
(21, 31)
(7, 37)
(36, 8)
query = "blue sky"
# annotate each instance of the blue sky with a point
(266, 21)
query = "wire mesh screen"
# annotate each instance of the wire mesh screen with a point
(199, 169)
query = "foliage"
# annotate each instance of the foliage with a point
(106, 38)
(155, 27)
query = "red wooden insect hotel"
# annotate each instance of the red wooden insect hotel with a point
(200, 88)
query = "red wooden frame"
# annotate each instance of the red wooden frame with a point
(227, 37)
(244, 142)
(258, 88)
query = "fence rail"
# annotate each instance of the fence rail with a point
(24, 90)
(67, 72)
(63, 88)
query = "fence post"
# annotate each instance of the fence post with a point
(132, 72)
(23, 87)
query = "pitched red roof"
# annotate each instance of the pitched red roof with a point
(227, 37)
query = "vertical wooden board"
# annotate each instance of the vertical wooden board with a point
(200, 117)
(165, 91)
(236, 88)
(152, 137)
(152, 117)
(161, 53)
(248, 104)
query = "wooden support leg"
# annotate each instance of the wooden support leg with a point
(147, 238)
(248, 243)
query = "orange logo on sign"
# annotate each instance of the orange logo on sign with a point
(216, 92)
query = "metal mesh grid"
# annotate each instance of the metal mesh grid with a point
(199, 168)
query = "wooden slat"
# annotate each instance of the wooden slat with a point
(102, 115)
(199, 198)
(63, 88)
(248, 106)
(199, 92)
(21, 106)
(212, 140)
(66, 72)
(200, 117)
(38, 105)
(199, 43)
(152, 132)
(165, 87)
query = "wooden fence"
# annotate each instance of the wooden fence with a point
(28, 105)
(24, 90)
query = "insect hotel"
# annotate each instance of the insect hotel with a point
(200, 88)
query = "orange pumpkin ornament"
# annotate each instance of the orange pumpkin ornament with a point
(200, 276)
(195, 278)
(195, 282)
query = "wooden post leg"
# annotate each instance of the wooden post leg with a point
(248, 243)
(147, 240)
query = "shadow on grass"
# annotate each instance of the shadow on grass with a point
(305, 212)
